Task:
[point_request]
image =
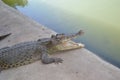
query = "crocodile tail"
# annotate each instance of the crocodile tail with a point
(4, 36)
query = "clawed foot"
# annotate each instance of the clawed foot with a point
(58, 60)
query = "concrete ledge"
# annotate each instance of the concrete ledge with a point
(79, 64)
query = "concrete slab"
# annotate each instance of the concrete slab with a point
(79, 64)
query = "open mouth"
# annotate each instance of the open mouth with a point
(69, 45)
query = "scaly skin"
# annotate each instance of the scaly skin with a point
(28, 52)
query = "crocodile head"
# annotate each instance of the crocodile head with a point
(62, 42)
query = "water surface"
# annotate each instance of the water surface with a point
(99, 19)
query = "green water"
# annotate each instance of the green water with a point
(100, 20)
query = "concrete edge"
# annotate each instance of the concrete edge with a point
(105, 63)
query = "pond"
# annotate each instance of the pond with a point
(100, 20)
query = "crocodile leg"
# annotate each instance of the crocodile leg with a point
(47, 60)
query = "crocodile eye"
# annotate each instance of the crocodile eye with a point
(53, 36)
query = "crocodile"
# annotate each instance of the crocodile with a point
(28, 52)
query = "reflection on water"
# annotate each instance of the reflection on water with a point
(14, 3)
(98, 18)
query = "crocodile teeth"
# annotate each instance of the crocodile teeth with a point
(69, 45)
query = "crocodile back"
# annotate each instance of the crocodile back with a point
(18, 55)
